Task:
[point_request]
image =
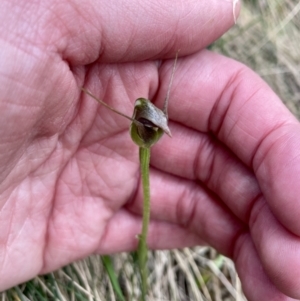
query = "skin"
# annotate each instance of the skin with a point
(69, 173)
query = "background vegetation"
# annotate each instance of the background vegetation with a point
(267, 39)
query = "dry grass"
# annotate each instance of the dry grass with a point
(267, 39)
(188, 274)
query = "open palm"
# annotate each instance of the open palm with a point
(69, 170)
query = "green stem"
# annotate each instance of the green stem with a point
(142, 248)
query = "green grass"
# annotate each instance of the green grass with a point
(267, 39)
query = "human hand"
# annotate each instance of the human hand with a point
(69, 171)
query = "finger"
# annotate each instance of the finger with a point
(278, 249)
(200, 157)
(123, 229)
(215, 94)
(122, 30)
(192, 207)
(256, 284)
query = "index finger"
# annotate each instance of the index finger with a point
(215, 94)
